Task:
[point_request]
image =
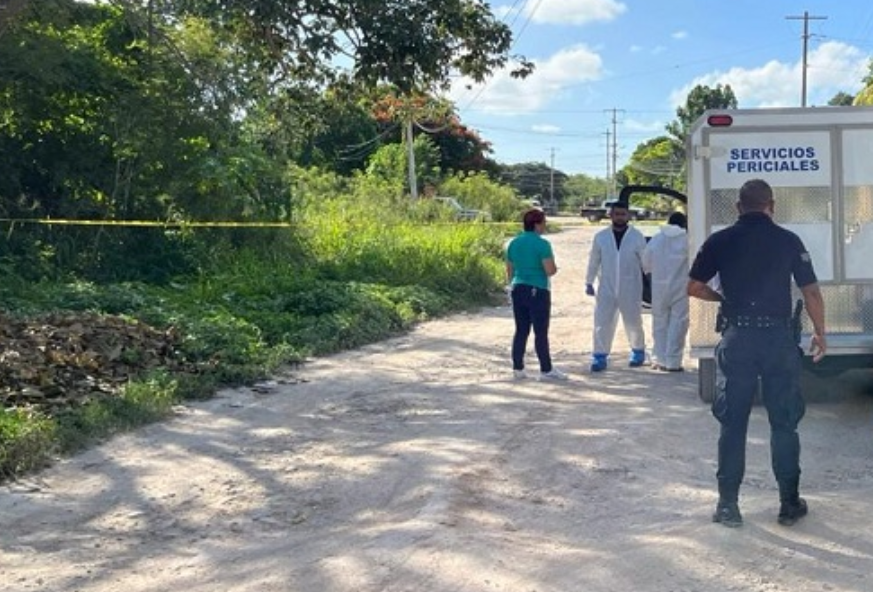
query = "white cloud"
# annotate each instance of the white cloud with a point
(551, 78)
(831, 67)
(648, 127)
(546, 128)
(680, 35)
(574, 12)
(502, 12)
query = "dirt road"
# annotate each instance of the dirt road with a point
(419, 465)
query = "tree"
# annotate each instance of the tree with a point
(534, 180)
(865, 96)
(99, 124)
(344, 137)
(841, 99)
(868, 79)
(656, 162)
(461, 149)
(699, 100)
(389, 163)
(654, 158)
(582, 189)
(409, 44)
(479, 191)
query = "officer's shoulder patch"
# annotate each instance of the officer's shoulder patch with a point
(806, 257)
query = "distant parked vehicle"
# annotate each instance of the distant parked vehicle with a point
(598, 212)
(550, 208)
(462, 213)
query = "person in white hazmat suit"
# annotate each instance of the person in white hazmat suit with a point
(666, 258)
(615, 261)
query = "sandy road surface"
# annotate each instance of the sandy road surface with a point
(418, 465)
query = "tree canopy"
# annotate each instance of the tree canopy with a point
(410, 44)
(656, 162)
(699, 100)
(535, 180)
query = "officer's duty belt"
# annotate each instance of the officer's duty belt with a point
(757, 321)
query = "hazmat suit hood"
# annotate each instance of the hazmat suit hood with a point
(672, 231)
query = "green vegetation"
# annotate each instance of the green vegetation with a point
(191, 198)
(193, 195)
(357, 270)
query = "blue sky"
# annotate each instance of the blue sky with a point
(642, 57)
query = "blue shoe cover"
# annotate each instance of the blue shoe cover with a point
(637, 357)
(598, 362)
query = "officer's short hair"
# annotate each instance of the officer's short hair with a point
(755, 195)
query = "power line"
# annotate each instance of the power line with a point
(515, 39)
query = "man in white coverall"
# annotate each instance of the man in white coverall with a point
(615, 261)
(666, 258)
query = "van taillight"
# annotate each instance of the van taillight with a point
(719, 120)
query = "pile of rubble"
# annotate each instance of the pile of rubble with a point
(66, 359)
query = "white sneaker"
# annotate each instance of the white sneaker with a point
(519, 374)
(553, 374)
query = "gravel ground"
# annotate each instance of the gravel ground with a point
(418, 464)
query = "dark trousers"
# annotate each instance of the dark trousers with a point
(531, 307)
(746, 355)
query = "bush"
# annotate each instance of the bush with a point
(26, 441)
(478, 191)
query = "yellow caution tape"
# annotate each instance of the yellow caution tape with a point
(156, 223)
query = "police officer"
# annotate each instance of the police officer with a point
(755, 260)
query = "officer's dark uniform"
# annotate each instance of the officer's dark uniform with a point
(756, 260)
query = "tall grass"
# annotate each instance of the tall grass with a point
(362, 263)
(457, 259)
(372, 234)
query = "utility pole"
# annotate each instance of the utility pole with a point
(608, 161)
(614, 148)
(552, 178)
(413, 180)
(805, 18)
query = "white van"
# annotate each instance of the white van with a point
(819, 162)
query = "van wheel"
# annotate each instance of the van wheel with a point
(706, 379)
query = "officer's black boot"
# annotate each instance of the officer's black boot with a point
(792, 507)
(727, 511)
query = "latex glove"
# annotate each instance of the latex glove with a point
(589, 289)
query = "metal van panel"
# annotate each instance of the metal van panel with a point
(837, 208)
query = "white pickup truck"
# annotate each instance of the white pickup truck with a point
(462, 213)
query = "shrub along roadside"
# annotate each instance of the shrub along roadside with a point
(255, 312)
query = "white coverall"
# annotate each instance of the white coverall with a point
(666, 258)
(620, 287)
